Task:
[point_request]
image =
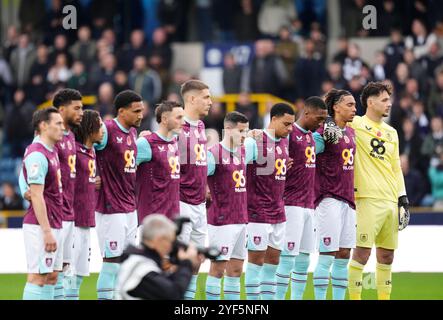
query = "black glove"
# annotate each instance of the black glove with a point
(331, 132)
(403, 212)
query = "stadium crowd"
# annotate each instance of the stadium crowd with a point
(38, 57)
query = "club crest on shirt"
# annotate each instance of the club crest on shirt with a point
(62, 145)
(113, 245)
(279, 151)
(287, 150)
(128, 140)
(48, 262)
(291, 246)
(119, 139)
(257, 240)
(196, 133)
(171, 148)
(236, 161)
(69, 145)
(389, 137)
(224, 250)
(327, 241)
(187, 134)
(308, 138)
(363, 237)
(346, 139)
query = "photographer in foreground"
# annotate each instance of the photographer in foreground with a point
(142, 276)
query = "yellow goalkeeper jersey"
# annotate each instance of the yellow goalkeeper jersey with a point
(377, 171)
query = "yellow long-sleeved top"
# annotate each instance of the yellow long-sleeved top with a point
(377, 171)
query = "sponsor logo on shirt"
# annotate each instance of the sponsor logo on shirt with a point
(129, 157)
(200, 154)
(378, 149)
(310, 157)
(240, 181)
(348, 159)
(174, 164)
(280, 166)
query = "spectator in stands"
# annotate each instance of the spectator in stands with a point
(400, 79)
(435, 100)
(109, 40)
(39, 84)
(274, 14)
(120, 81)
(416, 70)
(179, 77)
(84, 49)
(10, 42)
(412, 89)
(335, 75)
(342, 50)
(146, 82)
(215, 118)
(401, 109)
(60, 47)
(160, 46)
(249, 109)
(10, 199)
(379, 68)
(79, 79)
(104, 71)
(436, 179)
(311, 64)
(232, 74)
(5, 80)
(355, 87)
(410, 143)
(136, 47)
(105, 100)
(245, 22)
(432, 60)
(60, 72)
(419, 118)
(22, 59)
(394, 51)
(18, 127)
(266, 73)
(433, 142)
(420, 41)
(288, 51)
(172, 16)
(319, 39)
(353, 63)
(414, 182)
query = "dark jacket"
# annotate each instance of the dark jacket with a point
(141, 276)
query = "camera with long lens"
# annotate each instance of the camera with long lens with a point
(209, 253)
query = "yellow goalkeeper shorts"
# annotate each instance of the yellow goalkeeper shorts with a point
(377, 222)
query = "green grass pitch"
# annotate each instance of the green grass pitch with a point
(406, 286)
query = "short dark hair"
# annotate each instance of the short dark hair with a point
(280, 109)
(192, 85)
(315, 102)
(43, 115)
(90, 124)
(125, 98)
(165, 106)
(333, 97)
(235, 117)
(374, 89)
(64, 97)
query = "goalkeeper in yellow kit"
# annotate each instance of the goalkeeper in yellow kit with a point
(380, 194)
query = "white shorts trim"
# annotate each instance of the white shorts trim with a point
(262, 235)
(38, 260)
(300, 231)
(196, 230)
(115, 232)
(337, 227)
(68, 240)
(229, 239)
(81, 252)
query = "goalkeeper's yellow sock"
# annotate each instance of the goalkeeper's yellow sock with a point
(355, 279)
(383, 276)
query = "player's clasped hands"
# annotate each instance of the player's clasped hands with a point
(49, 241)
